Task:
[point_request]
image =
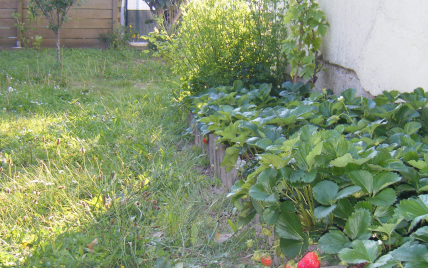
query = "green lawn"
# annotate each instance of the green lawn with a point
(96, 171)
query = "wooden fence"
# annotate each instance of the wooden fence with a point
(83, 28)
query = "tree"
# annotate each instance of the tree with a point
(169, 10)
(55, 12)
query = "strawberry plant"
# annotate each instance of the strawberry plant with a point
(346, 172)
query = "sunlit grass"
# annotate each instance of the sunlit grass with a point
(95, 171)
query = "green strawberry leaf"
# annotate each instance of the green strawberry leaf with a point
(270, 215)
(333, 242)
(382, 212)
(342, 161)
(347, 192)
(263, 143)
(344, 208)
(291, 248)
(362, 178)
(413, 209)
(412, 127)
(421, 234)
(415, 255)
(321, 212)
(385, 261)
(267, 159)
(263, 189)
(361, 252)
(300, 155)
(387, 228)
(384, 179)
(230, 158)
(356, 225)
(310, 158)
(306, 132)
(325, 192)
(288, 226)
(418, 164)
(385, 198)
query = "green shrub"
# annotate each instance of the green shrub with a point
(119, 37)
(220, 41)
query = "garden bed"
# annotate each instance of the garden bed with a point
(353, 165)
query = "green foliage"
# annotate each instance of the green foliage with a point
(169, 10)
(221, 41)
(120, 37)
(347, 171)
(23, 29)
(55, 12)
(302, 47)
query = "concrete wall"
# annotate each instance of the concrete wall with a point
(375, 45)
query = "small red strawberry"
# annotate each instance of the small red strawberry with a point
(310, 260)
(266, 260)
(205, 140)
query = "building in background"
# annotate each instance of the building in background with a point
(138, 15)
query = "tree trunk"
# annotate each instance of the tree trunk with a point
(57, 46)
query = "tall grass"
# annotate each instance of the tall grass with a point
(94, 170)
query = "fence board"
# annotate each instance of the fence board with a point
(7, 32)
(7, 42)
(115, 17)
(95, 4)
(7, 13)
(80, 24)
(69, 33)
(8, 4)
(7, 23)
(84, 13)
(83, 29)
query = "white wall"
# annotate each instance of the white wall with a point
(137, 5)
(383, 43)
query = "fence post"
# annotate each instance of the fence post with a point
(21, 17)
(114, 14)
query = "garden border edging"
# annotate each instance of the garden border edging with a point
(216, 153)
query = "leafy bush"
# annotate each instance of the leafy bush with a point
(119, 37)
(303, 46)
(346, 172)
(221, 41)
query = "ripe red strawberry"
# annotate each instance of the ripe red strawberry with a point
(205, 140)
(266, 260)
(310, 260)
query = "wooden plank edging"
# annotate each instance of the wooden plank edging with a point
(216, 153)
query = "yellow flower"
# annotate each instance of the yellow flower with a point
(130, 26)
